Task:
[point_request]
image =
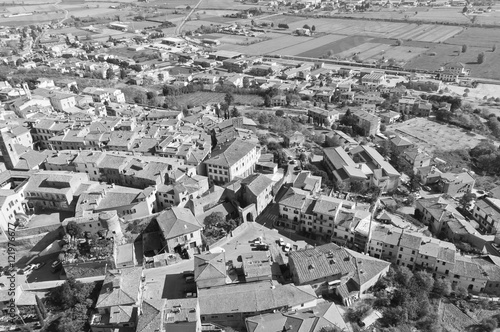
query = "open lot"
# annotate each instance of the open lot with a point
(429, 135)
(204, 98)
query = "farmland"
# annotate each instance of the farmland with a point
(270, 46)
(336, 46)
(204, 98)
(312, 43)
(429, 135)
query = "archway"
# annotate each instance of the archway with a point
(250, 216)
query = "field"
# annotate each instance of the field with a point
(336, 46)
(479, 37)
(429, 135)
(445, 53)
(268, 46)
(448, 15)
(204, 98)
(312, 43)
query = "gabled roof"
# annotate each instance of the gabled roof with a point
(257, 183)
(177, 221)
(120, 287)
(367, 267)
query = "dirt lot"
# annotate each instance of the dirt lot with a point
(429, 135)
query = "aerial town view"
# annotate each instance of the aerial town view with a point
(250, 165)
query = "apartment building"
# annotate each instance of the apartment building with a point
(486, 212)
(233, 159)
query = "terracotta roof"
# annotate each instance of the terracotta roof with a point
(177, 221)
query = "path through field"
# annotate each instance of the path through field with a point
(178, 30)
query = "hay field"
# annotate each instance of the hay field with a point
(429, 135)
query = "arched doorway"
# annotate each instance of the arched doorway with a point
(249, 216)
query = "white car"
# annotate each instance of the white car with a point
(281, 242)
(287, 247)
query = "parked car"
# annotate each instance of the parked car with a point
(39, 265)
(27, 270)
(263, 246)
(287, 247)
(56, 266)
(281, 242)
(258, 241)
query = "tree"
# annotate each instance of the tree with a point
(73, 229)
(466, 199)
(356, 186)
(70, 294)
(480, 58)
(464, 48)
(123, 73)
(403, 275)
(489, 324)
(235, 113)
(313, 28)
(213, 219)
(279, 113)
(442, 287)
(461, 292)
(73, 320)
(74, 89)
(465, 9)
(422, 282)
(19, 62)
(306, 26)
(303, 157)
(292, 98)
(110, 74)
(229, 98)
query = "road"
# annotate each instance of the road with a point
(178, 30)
(66, 16)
